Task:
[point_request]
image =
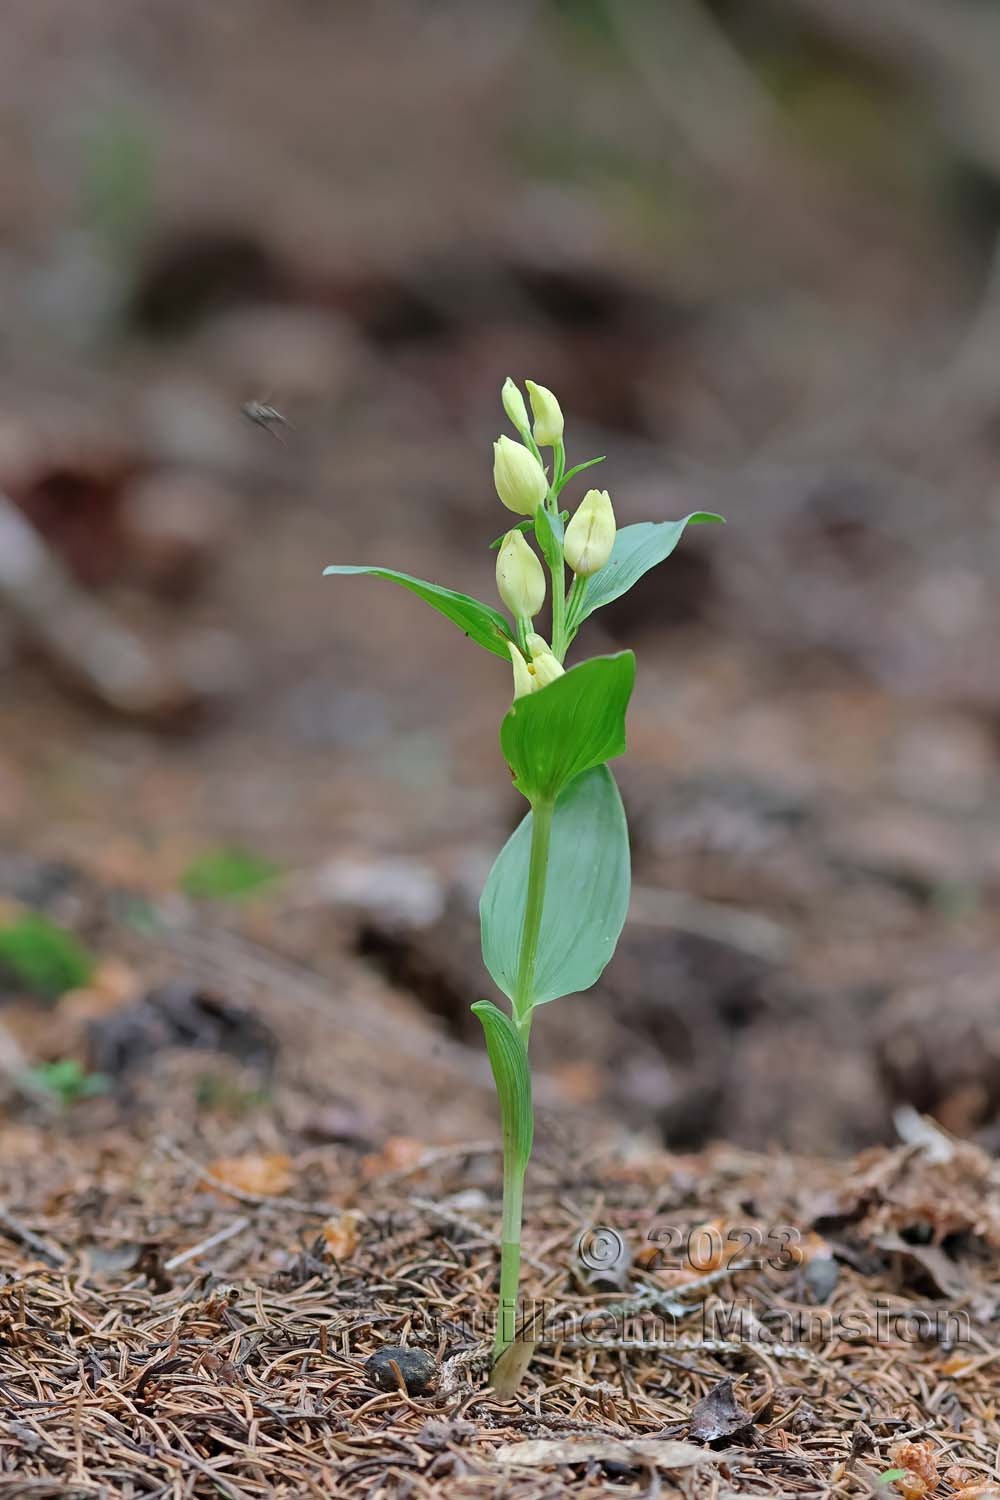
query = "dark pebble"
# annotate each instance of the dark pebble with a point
(821, 1277)
(418, 1369)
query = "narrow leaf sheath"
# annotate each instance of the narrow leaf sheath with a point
(509, 1062)
(512, 1076)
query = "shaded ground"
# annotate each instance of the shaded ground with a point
(199, 1265)
(161, 1339)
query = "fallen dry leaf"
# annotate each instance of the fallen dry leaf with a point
(947, 1278)
(267, 1176)
(661, 1453)
(398, 1154)
(718, 1414)
(340, 1236)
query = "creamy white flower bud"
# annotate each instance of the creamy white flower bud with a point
(518, 476)
(524, 678)
(513, 405)
(546, 668)
(520, 579)
(548, 415)
(590, 535)
(544, 664)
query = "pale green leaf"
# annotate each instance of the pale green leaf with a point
(481, 622)
(637, 549)
(549, 535)
(586, 892)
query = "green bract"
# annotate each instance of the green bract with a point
(556, 899)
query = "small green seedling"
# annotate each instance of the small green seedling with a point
(556, 899)
(41, 958)
(67, 1080)
(227, 875)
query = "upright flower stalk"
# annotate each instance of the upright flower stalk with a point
(557, 896)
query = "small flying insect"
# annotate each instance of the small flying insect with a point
(268, 417)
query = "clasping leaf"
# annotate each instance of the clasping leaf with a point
(512, 1076)
(576, 722)
(586, 893)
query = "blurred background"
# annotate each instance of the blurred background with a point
(752, 247)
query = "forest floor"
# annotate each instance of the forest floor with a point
(189, 1311)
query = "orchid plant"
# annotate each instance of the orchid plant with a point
(556, 899)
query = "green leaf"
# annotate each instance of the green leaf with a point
(549, 535)
(227, 875)
(888, 1476)
(67, 1080)
(586, 892)
(578, 721)
(44, 959)
(637, 549)
(588, 464)
(483, 624)
(512, 1076)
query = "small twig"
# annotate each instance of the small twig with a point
(449, 1216)
(458, 1221)
(253, 1200)
(219, 1237)
(25, 1236)
(437, 1154)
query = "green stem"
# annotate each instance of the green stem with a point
(510, 1255)
(558, 570)
(559, 641)
(541, 833)
(574, 603)
(558, 469)
(513, 1175)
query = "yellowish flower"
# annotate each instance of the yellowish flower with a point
(520, 579)
(519, 477)
(524, 678)
(590, 535)
(546, 668)
(548, 415)
(513, 405)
